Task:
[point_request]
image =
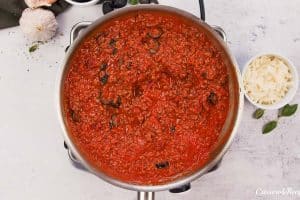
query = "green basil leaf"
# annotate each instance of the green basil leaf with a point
(258, 113)
(133, 2)
(104, 79)
(288, 110)
(103, 66)
(270, 126)
(33, 48)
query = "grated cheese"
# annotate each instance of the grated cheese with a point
(267, 79)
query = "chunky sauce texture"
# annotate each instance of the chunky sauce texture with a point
(146, 97)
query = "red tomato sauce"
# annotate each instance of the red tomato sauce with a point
(146, 97)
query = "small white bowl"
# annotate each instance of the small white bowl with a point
(290, 94)
(77, 3)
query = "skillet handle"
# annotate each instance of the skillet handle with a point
(202, 10)
(145, 195)
(220, 32)
(76, 29)
(71, 155)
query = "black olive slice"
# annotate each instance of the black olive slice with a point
(162, 165)
(120, 3)
(144, 1)
(107, 7)
(212, 98)
(155, 32)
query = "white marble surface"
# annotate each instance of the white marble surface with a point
(34, 164)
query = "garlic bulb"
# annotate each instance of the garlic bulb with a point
(39, 3)
(38, 24)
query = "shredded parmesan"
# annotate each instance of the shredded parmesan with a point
(267, 79)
